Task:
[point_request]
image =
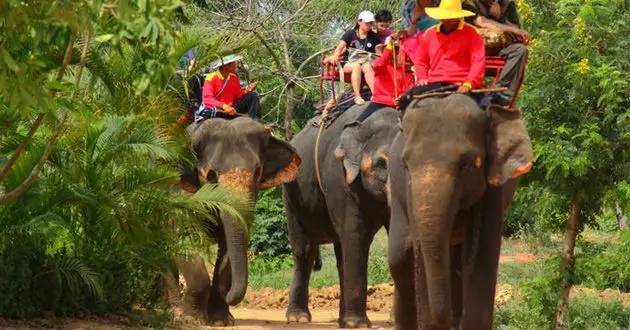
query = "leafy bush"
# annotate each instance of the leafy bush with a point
(585, 312)
(608, 268)
(538, 299)
(270, 236)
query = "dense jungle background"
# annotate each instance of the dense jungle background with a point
(89, 151)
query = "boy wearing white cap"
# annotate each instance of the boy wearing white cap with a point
(363, 38)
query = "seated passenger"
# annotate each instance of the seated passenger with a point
(501, 16)
(451, 53)
(383, 23)
(223, 95)
(386, 91)
(361, 37)
(415, 19)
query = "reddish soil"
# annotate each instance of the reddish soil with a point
(379, 298)
(521, 258)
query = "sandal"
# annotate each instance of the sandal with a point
(359, 100)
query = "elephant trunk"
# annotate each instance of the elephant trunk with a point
(236, 241)
(239, 181)
(432, 188)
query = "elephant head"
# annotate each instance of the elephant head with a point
(240, 154)
(364, 151)
(452, 150)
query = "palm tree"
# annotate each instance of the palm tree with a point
(104, 208)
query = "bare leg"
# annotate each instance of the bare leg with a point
(355, 70)
(368, 73)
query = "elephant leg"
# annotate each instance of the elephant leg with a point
(355, 245)
(218, 310)
(195, 299)
(171, 288)
(401, 265)
(456, 284)
(482, 262)
(339, 258)
(304, 252)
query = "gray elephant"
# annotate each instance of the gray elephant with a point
(239, 154)
(347, 209)
(452, 174)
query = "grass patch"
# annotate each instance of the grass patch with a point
(277, 272)
(585, 312)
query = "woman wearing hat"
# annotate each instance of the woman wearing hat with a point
(223, 95)
(361, 37)
(450, 53)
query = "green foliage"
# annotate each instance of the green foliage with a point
(270, 237)
(576, 100)
(608, 266)
(585, 312)
(102, 222)
(539, 296)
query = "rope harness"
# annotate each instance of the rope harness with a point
(322, 124)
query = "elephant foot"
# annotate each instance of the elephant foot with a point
(297, 315)
(355, 322)
(221, 318)
(189, 315)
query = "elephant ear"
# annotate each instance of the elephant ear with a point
(349, 151)
(280, 164)
(510, 149)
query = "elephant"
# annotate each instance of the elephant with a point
(347, 208)
(242, 155)
(453, 170)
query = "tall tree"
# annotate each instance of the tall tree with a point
(576, 105)
(291, 37)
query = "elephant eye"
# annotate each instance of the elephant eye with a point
(212, 177)
(466, 163)
(381, 162)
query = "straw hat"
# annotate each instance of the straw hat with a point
(225, 60)
(448, 9)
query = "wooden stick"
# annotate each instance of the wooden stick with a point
(395, 73)
(446, 93)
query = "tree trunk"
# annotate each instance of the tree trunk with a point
(622, 220)
(289, 112)
(571, 230)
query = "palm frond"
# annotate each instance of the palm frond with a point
(74, 273)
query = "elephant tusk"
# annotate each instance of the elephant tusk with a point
(203, 175)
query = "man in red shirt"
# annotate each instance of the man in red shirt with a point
(223, 95)
(386, 91)
(451, 53)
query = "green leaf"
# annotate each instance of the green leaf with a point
(104, 37)
(9, 61)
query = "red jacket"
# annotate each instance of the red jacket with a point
(456, 57)
(384, 78)
(213, 84)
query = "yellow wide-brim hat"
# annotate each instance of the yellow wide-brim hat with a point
(448, 9)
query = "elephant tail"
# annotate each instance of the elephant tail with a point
(317, 265)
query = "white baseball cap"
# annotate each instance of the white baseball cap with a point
(366, 16)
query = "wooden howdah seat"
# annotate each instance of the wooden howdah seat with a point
(331, 73)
